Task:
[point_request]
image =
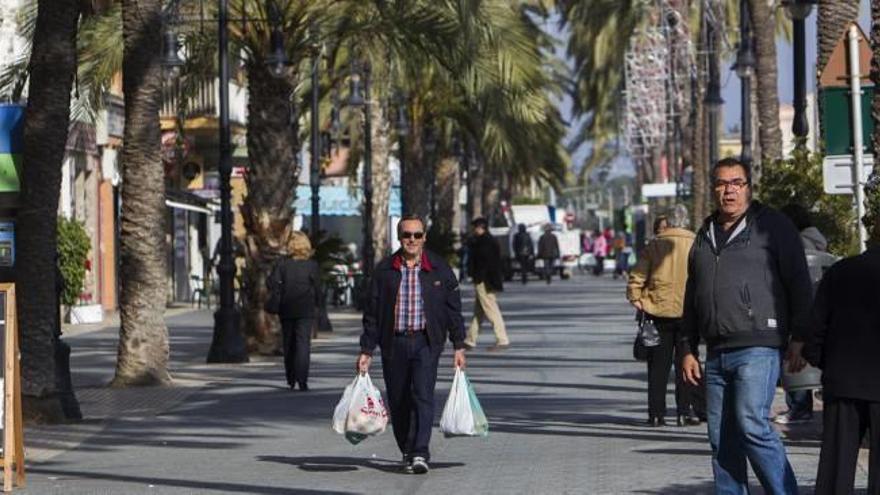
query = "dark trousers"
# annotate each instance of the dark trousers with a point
(688, 398)
(799, 401)
(845, 423)
(410, 375)
(548, 269)
(296, 344)
(525, 266)
(599, 268)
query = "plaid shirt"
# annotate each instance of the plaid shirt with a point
(409, 311)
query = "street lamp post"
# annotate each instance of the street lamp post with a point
(227, 344)
(799, 10)
(315, 171)
(745, 67)
(713, 100)
(356, 99)
(402, 126)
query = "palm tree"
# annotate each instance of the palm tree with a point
(52, 65)
(764, 26)
(143, 336)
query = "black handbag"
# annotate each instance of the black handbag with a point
(646, 337)
(276, 287)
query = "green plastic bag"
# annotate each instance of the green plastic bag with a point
(481, 424)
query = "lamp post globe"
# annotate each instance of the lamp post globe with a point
(172, 65)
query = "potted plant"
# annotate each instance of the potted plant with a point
(74, 265)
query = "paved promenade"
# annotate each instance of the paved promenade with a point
(565, 403)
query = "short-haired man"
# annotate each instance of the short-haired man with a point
(413, 305)
(748, 295)
(485, 270)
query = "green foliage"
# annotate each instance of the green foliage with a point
(73, 250)
(799, 180)
(443, 243)
(330, 250)
(872, 209)
(526, 200)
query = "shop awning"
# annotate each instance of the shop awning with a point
(183, 200)
(340, 201)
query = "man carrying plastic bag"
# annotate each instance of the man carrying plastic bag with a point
(463, 415)
(361, 412)
(412, 306)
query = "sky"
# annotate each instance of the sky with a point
(730, 82)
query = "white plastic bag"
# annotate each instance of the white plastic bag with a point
(341, 412)
(367, 415)
(462, 414)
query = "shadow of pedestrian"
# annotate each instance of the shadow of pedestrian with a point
(329, 464)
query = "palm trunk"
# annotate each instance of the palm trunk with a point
(872, 190)
(53, 62)
(381, 128)
(833, 18)
(769, 133)
(143, 337)
(267, 210)
(448, 183)
(476, 180)
(700, 148)
(416, 190)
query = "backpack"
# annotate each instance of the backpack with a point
(523, 245)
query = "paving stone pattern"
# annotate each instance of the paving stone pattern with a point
(565, 403)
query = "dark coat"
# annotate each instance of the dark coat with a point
(484, 263)
(300, 282)
(548, 246)
(440, 295)
(844, 339)
(522, 245)
(753, 290)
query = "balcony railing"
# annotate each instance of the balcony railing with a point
(204, 102)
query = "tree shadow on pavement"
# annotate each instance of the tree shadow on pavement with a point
(708, 488)
(332, 464)
(183, 483)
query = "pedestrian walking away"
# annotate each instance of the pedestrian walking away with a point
(297, 278)
(748, 295)
(843, 342)
(485, 269)
(600, 248)
(413, 306)
(656, 286)
(524, 250)
(548, 251)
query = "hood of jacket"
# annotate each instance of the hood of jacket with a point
(813, 239)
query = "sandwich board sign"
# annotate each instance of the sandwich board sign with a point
(12, 456)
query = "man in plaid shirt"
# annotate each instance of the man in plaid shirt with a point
(413, 306)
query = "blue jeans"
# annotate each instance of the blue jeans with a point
(740, 384)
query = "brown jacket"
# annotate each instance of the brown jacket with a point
(658, 279)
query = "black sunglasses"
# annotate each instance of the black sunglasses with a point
(415, 235)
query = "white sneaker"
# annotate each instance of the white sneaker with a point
(419, 465)
(789, 417)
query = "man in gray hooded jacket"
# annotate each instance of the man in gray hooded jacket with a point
(748, 296)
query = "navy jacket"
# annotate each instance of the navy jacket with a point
(753, 290)
(440, 296)
(845, 335)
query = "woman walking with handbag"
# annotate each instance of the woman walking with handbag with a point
(295, 285)
(656, 286)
